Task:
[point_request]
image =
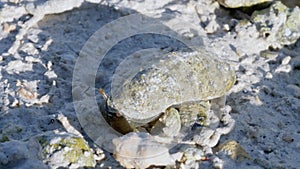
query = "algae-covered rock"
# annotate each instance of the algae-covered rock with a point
(66, 150)
(241, 3)
(279, 24)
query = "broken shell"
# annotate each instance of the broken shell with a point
(141, 150)
(173, 79)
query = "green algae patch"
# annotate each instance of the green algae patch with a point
(78, 149)
(63, 150)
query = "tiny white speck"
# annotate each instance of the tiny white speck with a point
(287, 32)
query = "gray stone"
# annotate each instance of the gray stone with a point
(241, 3)
(174, 78)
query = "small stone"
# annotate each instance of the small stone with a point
(29, 48)
(287, 138)
(7, 28)
(50, 74)
(269, 55)
(234, 150)
(32, 59)
(137, 98)
(226, 27)
(47, 44)
(284, 69)
(286, 60)
(269, 75)
(218, 163)
(258, 101)
(287, 32)
(267, 89)
(212, 27)
(15, 104)
(240, 3)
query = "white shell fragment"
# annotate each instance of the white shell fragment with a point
(174, 78)
(141, 150)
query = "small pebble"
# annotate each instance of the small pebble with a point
(267, 89)
(287, 32)
(258, 101)
(288, 139)
(284, 69)
(29, 48)
(32, 59)
(226, 27)
(286, 60)
(212, 27)
(218, 163)
(269, 75)
(7, 28)
(87, 154)
(234, 150)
